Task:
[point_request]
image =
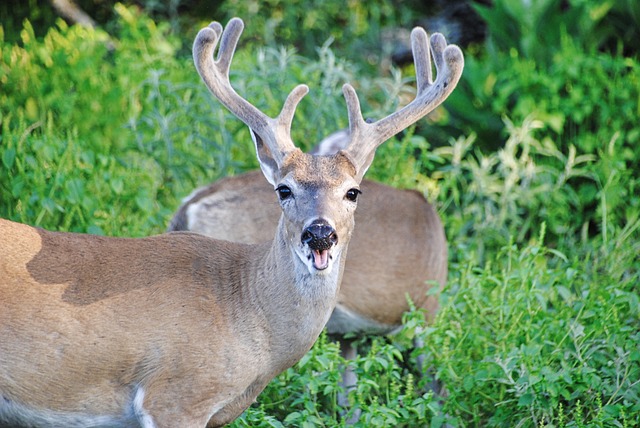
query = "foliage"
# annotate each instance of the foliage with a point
(14, 12)
(538, 190)
(516, 76)
(535, 338)
(512, 191)
(624, 20)
(534, 28)
(307, 24)
(588, 105)
(63, 108)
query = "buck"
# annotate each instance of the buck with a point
(181, 330)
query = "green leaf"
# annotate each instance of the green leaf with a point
(8, 157)
(525, 400)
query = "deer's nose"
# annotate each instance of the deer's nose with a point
(319, 235)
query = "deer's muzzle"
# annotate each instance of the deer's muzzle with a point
(320, 236)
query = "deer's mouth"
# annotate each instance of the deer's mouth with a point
(319, 238)
(320, 259)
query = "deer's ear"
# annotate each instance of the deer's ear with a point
(268, 164)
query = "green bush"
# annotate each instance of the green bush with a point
(131, 105)
(309, 24)
(68, 159)
(537, 338)
(532, 338)
(587, 100)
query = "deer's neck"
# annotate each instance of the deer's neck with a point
(290, 298)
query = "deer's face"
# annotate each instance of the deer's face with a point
(318, 196)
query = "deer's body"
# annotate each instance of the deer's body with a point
(398, 246)
(181, 330)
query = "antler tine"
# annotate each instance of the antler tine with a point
(289, 108)
(276, 133)
(449, 62)
(421, 59)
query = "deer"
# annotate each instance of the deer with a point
(180, 329)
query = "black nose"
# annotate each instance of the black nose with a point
(319, 236)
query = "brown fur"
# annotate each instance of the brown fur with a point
(85, 320)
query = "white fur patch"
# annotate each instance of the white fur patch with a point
(145, 419)
(192, 214)
(207, 208)
(333, 143)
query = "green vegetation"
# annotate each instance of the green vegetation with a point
(533, 163)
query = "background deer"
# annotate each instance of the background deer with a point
(182, 330)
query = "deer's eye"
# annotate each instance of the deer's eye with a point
(284, 192)
(352, 194)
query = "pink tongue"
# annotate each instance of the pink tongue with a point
(320, 259)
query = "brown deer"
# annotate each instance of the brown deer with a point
(181, 330)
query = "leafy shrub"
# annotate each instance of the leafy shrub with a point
(308, 24)
(131, 105)
(68, 158)
(536, 338)
(532, 338)
(535, 28)
(537, 68)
